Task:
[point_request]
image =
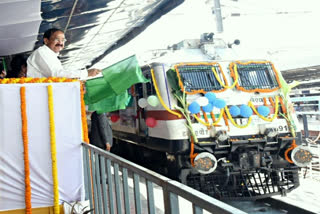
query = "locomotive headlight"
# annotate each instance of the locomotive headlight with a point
(205, 163)
(301, 156)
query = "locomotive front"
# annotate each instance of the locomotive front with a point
(227, 128)
(246, 130)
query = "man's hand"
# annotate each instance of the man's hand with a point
(108, 147)
(93, 72)
(3, 74)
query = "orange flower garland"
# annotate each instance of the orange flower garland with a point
(265, 101)
(85, 136)
(226, 120)
(26, 149)
(272, 102)
(213, 118)
(215, 122)
(283, 107)
(286, 153)
(192, 154)
(35, 80)
(205, 117)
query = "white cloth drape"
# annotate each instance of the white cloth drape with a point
(67, 114)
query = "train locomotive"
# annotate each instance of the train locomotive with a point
(224, 127)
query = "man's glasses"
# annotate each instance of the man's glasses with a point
(60, 40)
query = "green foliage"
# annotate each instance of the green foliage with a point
(182, 101)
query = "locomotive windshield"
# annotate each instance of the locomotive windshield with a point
(256, 76)
(200, 77)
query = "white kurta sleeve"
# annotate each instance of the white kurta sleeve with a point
(45, 63)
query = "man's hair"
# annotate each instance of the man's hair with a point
(51, 31)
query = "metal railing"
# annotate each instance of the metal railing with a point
(115, 185)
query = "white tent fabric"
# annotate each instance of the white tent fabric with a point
(67, 115)
(18, 28)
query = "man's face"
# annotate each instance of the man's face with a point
(56, 41)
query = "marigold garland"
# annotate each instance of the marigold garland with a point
(233, 69)
(271, 101)
(85, 136)
(201, 90)
(293, 145)
(35, 80)
(265, 118)
(234, 123)
(265, 101)
(213, 118)
(219, 118)
(205, 117)
(192, 154)
(26, 149)
(225, 85)
(208, 124)
(226, 121)
(283, 107)
(56, 207)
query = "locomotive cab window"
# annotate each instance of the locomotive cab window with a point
(197, 78)
(253, 76)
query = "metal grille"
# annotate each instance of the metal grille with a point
(197, 77)
(257, 76)
(253, 185)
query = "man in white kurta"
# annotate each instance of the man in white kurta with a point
(44, 61)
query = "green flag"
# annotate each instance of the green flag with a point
(109, 93)
(112, 103)
(123, 74)
(96, 90)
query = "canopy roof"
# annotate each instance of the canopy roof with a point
(93, 28)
